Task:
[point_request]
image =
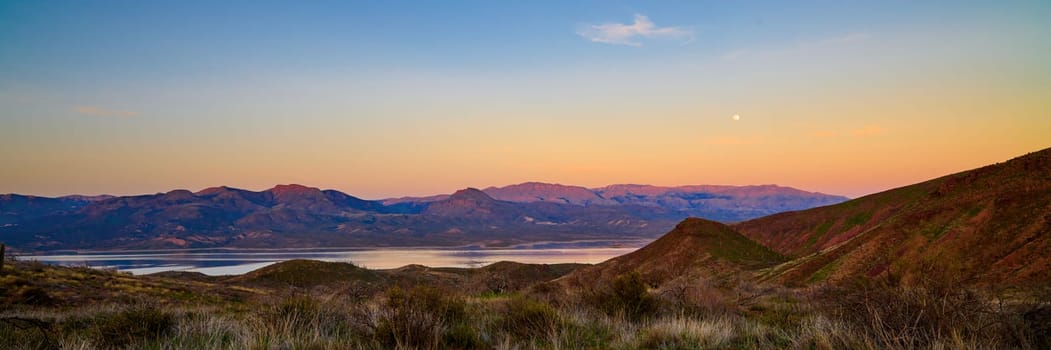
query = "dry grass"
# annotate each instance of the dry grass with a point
(878, 314)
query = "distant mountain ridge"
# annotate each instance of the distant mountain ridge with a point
(713, 202)
(302, 216)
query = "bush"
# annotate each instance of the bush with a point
(417, 318)
(32, 295)
(462, 336)
(698, 296)
(687, 333)
(135, 325)
(26, 333)
(296, 312)
(527, 318)
(627, 295)
(930, 311)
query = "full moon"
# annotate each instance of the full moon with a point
(736, 117)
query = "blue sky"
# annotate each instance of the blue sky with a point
(64, 42)
(199, 93)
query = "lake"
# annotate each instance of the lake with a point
(238, 261)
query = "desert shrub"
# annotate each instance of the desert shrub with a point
(208, 329)
(32, 295)
(527, 318)
(548, 292)
(306, 317)
(417, 318)
(18, 290)
(778, 313)
(626, 295)
(462, 336)
(1037, 323)
(296, 312)
(26, 333)
(1034, 311)
(585, 333)
(686, 333)
(135, 325)
(696, 296)
(935, 310)
(657, 338)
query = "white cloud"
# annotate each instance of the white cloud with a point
(630, 34)
(103, 112)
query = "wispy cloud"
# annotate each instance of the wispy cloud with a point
(632, 34)
(846, 39)
(104, 112)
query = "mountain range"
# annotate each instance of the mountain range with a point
(714, 202)
(299, 216)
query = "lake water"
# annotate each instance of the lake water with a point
(238, 261)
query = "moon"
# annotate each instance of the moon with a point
(736, 117)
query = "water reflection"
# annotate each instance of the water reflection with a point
(232, 262)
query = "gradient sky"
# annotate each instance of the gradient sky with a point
(393, 98)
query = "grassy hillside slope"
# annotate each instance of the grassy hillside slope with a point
(989, 225)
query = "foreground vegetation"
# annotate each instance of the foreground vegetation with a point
(48, 307)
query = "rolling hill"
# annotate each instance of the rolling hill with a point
(990, 224)
(696, 247)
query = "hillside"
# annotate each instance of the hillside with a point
(990, 225)
(696, 247)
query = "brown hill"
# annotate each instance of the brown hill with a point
(696, 247)
(306, 273)
(498, 277)
(989, 225)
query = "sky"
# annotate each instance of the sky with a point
(394, 98)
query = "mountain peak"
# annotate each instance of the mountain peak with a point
(293, 189)
(472, 194)
(547, 192)
(214, 190)
(176, 196)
